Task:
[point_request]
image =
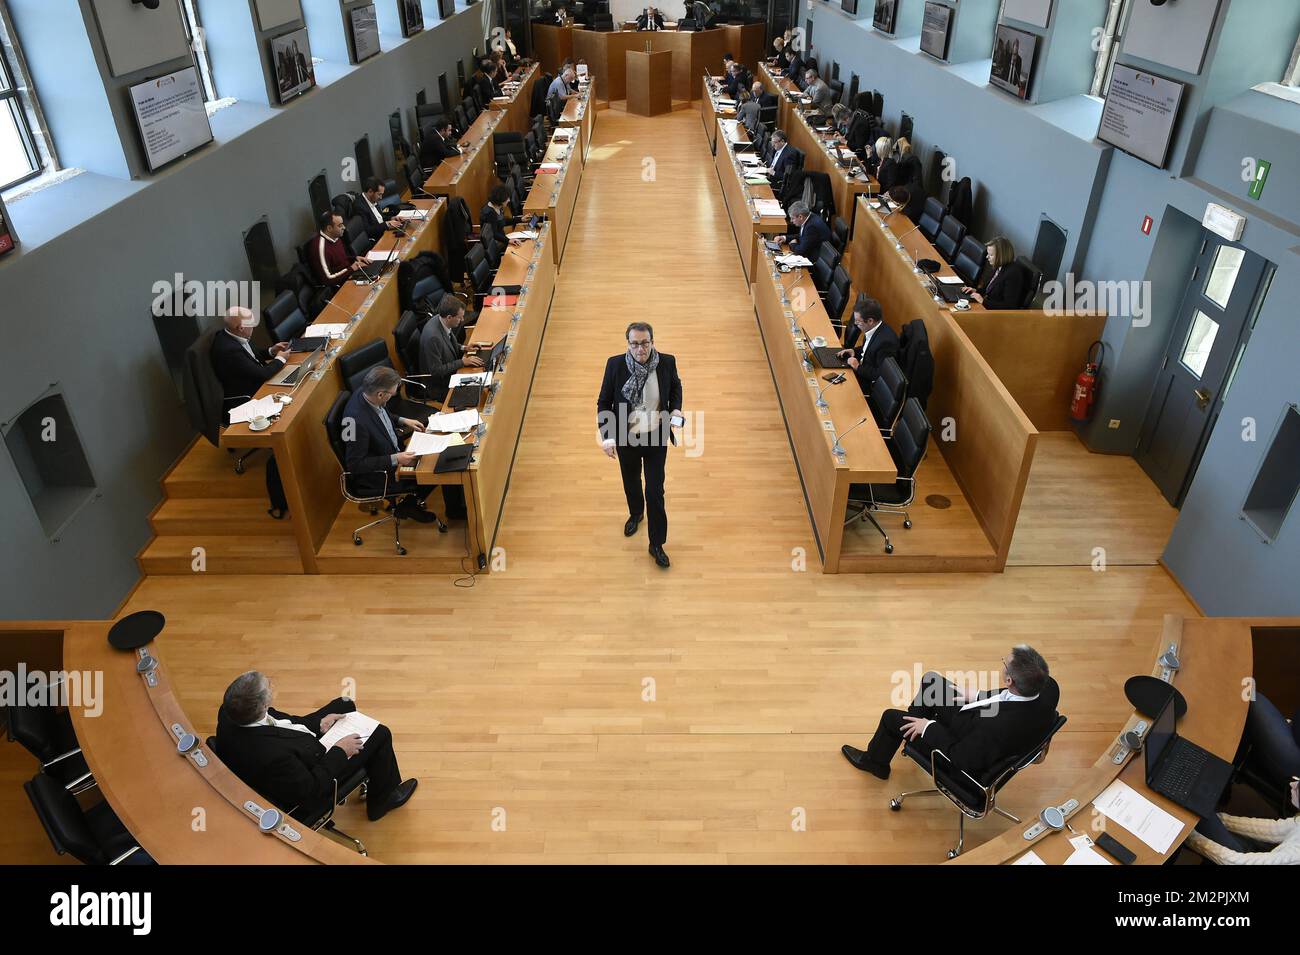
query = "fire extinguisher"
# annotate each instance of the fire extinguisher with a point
(1085, 386)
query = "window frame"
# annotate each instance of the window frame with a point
(196, 41)
(1112, 37)
(1291, 78)
(15, 90)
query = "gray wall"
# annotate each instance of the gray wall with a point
(77, 295)
(1041, 159)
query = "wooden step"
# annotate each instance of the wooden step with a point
(221, 517)
(205, 471)
(223, 554)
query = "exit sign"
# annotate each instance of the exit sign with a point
(1147, 222)
(1261, 176)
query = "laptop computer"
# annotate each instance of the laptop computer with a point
(290, 375)
(825, 355)
(949, 292)
(1180, 770)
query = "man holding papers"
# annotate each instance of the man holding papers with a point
(294, 761)
(373, 449)
(975, 729)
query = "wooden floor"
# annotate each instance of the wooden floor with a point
(608, 711)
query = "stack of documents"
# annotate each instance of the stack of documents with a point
(483, 378)
(564, 134)
(549, 169)
(266, 407)
(423, 443)
(374, 255)
(1124, 805)
(454, 420)
(412, 214)
(522, 235)
(769, 207)
(794, 261)
(325, 330)
(350, 724)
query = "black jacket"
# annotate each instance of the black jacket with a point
(642, 21)
(499, 222)
(288, 767)
(980, 738)
(808, 240)
(375, 225)
(240, 375)
(883, 344)
(613, 410)
(369, 455)
(1005, 287)
(434, 149)
(440, 356)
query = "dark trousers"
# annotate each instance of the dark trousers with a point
(631, 461)
(936, 700)
(376, 756)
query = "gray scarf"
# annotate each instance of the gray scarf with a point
(634, 387)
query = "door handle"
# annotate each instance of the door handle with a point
(1202, 398)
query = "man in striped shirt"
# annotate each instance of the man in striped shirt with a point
(332, 262)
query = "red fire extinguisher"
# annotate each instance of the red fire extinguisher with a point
(1085, 386)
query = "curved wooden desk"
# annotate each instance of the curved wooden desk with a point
(1216, 658)
(133, 755)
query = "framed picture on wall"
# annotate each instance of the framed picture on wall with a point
(446, 8)
(411, 13)
(291, 58)
(850, 7)
(935, 29)
(1013, 61)
(885, 16)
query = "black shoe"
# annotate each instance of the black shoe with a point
(395, 800)
(630, 527)
(411, 511)
(658, 554)
(858, 760)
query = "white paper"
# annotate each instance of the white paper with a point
(768, 207)
(951, 279)
(325, 330)
(1126, 806)
(1030, 858)
(794, 261)
(472, 378)
(376, 256)
(1087, 856)
(523, 235)
(350, 723)
(267, 407)
(449, 421)
(422, 443)
(412, 214)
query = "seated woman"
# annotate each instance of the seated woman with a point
(882, 164)
(1005, 286)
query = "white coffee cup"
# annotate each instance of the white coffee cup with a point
(260, 423)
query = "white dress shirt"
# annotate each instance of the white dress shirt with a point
(249, 348)
(1006, 696)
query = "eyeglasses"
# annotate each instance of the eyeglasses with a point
(639, 344)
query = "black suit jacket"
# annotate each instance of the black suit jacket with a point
(809, 239)
(782, 164)
(369, 455)
(439, 357)
(980, 738)
(239, 374)
(375, 225)
(1005, 287)
(883, 344)
(766, 100)
(288, 767)
(499, 222)
(642, 21)
(613, 410)
(434, 149)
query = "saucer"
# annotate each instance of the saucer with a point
(253, 427)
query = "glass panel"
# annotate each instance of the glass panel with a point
(1223, 275)
(1200, 340)
(15, 160)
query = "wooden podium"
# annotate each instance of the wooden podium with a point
(649, 82)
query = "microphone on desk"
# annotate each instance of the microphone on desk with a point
(821, 400)
(836, 448)
(353, 317)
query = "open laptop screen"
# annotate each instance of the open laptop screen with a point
(1161, 735)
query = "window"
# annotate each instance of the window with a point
(48, 456)
(20, 155)
(1108, 42)
(1292, 77)
(198, 47)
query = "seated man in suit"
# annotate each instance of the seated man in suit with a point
(793, 66)
(736, 79)
(879, 342)
(368, 209)
(240, 367)
(441, 353)
(332, 262)
(1005, 285)
(282, 757)
(765, 99)
(374, 450)
(438, 144)
(976, 730)
(818, 93)
(650, 19)
(783, 158)
(812, 231)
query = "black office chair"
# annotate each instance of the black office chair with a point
(460, 120)
(885, 400)
(471, 107)
(322, 818)
(46, 732)
(354, 365)
(951, 232)
(344, 204)
(93, 837)
(835, 301)
(973, 797)
(970, 260)
(907, 447)
(415, 177)
(931, 219)
(406, 342)
(284, 318)
(1033, 280)
(877, 104)
(840, 233)
(602, 22)
(828, 258)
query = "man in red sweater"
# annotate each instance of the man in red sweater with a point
(332, 262)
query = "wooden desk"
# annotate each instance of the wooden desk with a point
(524, 324)
(515, 108)
(649, 76)
(1216, 659)
(779, 299)
(821, 153)
(580, 113)
(554, 195)
(472, 174)
(153, 789)
(308, 467)
(711, 112)
(605, 53)
(738, 195)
